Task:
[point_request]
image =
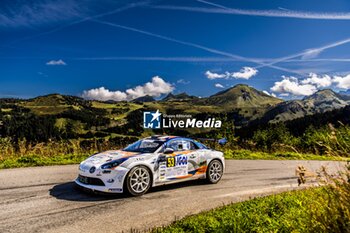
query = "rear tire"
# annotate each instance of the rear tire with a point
(138, 181)
(214, 172)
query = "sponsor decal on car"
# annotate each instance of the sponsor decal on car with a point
(174, 166)
(115, 190)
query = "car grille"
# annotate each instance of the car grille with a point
(90, 180)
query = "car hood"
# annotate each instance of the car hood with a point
(107, 156)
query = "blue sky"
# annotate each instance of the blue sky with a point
(124, 49)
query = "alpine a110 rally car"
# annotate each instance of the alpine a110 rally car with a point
(150, 162)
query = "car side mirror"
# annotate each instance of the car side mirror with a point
(161, 158)
(168, 150)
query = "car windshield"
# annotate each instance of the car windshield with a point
(144, 146)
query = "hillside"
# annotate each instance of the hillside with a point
(55, 103)
(242, 96)
(143, 99)
(321, 101)
(247, 102)
(64, 116)
(179, 97)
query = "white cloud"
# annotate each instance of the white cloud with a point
(183, 81)
(318, 80)
(154, 88)
(293, 86)
(218, 85)
(244, 73)
(342, 82)
(270, 94)
(211, 75)
(104, 94)
(56, 63)
(311, 84)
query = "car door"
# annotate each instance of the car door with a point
(193, 157)
(181, 162)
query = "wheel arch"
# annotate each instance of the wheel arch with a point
(216, 158)
(135, 165)
(212, 159)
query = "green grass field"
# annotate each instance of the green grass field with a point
(34, 160)
(247, 154)
(295, 211)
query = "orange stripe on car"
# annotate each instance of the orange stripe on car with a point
(182, 177)
(201, 170)
(185, 152)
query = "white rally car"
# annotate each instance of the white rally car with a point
(150, 162)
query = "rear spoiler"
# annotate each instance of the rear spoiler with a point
(221, 141)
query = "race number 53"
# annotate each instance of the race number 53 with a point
(170, 162)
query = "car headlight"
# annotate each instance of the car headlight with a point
(83, 167)
(112, 164)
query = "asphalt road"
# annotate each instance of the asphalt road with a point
(43, 199)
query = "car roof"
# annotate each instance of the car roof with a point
(164, 138)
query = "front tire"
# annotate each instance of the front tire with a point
(138, 181)
(214, 172)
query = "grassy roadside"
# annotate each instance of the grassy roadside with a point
(294, 211)
(36, 160)
(258, 155)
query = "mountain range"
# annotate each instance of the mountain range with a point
(320, 102)
(247, 103)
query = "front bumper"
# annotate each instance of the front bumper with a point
(101, 182)
(103, 189)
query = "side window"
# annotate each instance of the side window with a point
(186, 145)
(181, 145)
(193, 146)
(176, 145)
(199, 145)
